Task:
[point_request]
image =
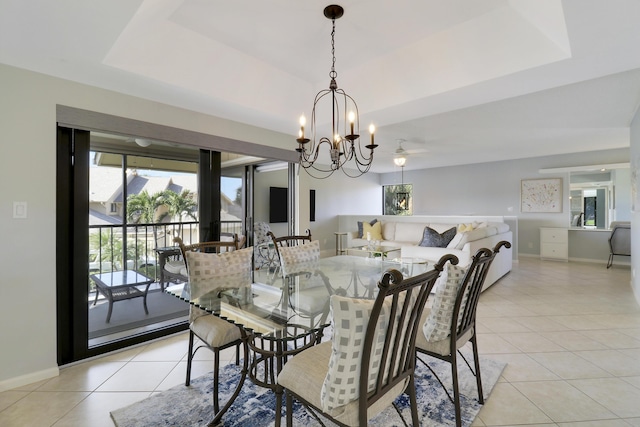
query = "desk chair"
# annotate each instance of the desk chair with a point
(620, 240)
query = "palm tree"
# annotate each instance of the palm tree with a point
(142, 207)
(181, 205)
(109, 247)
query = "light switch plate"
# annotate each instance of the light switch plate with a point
(20, 210)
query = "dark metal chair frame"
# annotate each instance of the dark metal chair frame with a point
(614, 249)
(209, 247)
(282, 241)
(398, 358)
(472, 284)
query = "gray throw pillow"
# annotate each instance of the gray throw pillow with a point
(360, 226)
(431, 238)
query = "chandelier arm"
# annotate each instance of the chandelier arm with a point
(307, 154)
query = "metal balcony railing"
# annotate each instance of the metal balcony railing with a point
(110, 251)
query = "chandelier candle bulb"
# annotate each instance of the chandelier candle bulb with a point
(372, 130)
(303, 121)
(352, 119)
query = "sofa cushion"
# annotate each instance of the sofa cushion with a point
(432, 238)
(501, 227)
(360, 227)
(470, 236)
(389, 230)
(409, 232)
(453, 244)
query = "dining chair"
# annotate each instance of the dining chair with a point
(306, 290)
(209, 268)
(265, 253)
(370, 359)
(451, 321)
(288, 241)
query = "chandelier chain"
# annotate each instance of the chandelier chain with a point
(333, 73)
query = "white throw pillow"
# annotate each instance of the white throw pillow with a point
(294, 259)
(209, 271)
(438, 324)
(453, 244)
(350, 319)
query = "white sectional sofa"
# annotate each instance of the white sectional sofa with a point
(407, 233)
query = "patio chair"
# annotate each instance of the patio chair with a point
(209, 268)
(451, 321)
(370, 359)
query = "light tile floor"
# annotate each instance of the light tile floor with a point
(570, 333)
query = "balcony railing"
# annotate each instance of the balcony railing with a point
(109, 251)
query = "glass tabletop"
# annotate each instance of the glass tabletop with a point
(268, 306)
(121, 278)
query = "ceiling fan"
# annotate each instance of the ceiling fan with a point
(400, 155)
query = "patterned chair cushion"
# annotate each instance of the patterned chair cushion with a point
(295, 259)
(350, 319)
(438, 324)
(260, 230)
(210, 271)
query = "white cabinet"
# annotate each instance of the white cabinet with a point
(554, 243)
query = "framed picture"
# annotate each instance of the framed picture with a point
(541, 195)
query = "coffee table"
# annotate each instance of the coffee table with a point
(121, 285)
(377, 251)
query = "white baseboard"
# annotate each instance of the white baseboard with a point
(587, 260)
(30, 378)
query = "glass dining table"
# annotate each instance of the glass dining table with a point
(283, 315)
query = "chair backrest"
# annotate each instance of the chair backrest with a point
(295, 259)
(261, 233)
(233, 237)
(464, 310)
(385, 358)
(215, 266)
(207, 247)
(288, 241)
(620, 239)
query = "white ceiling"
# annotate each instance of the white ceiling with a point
(462, 81)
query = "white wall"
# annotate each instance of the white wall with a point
(336, 195)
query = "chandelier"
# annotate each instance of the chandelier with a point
(343, 147)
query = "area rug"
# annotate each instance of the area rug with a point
(192, 406)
